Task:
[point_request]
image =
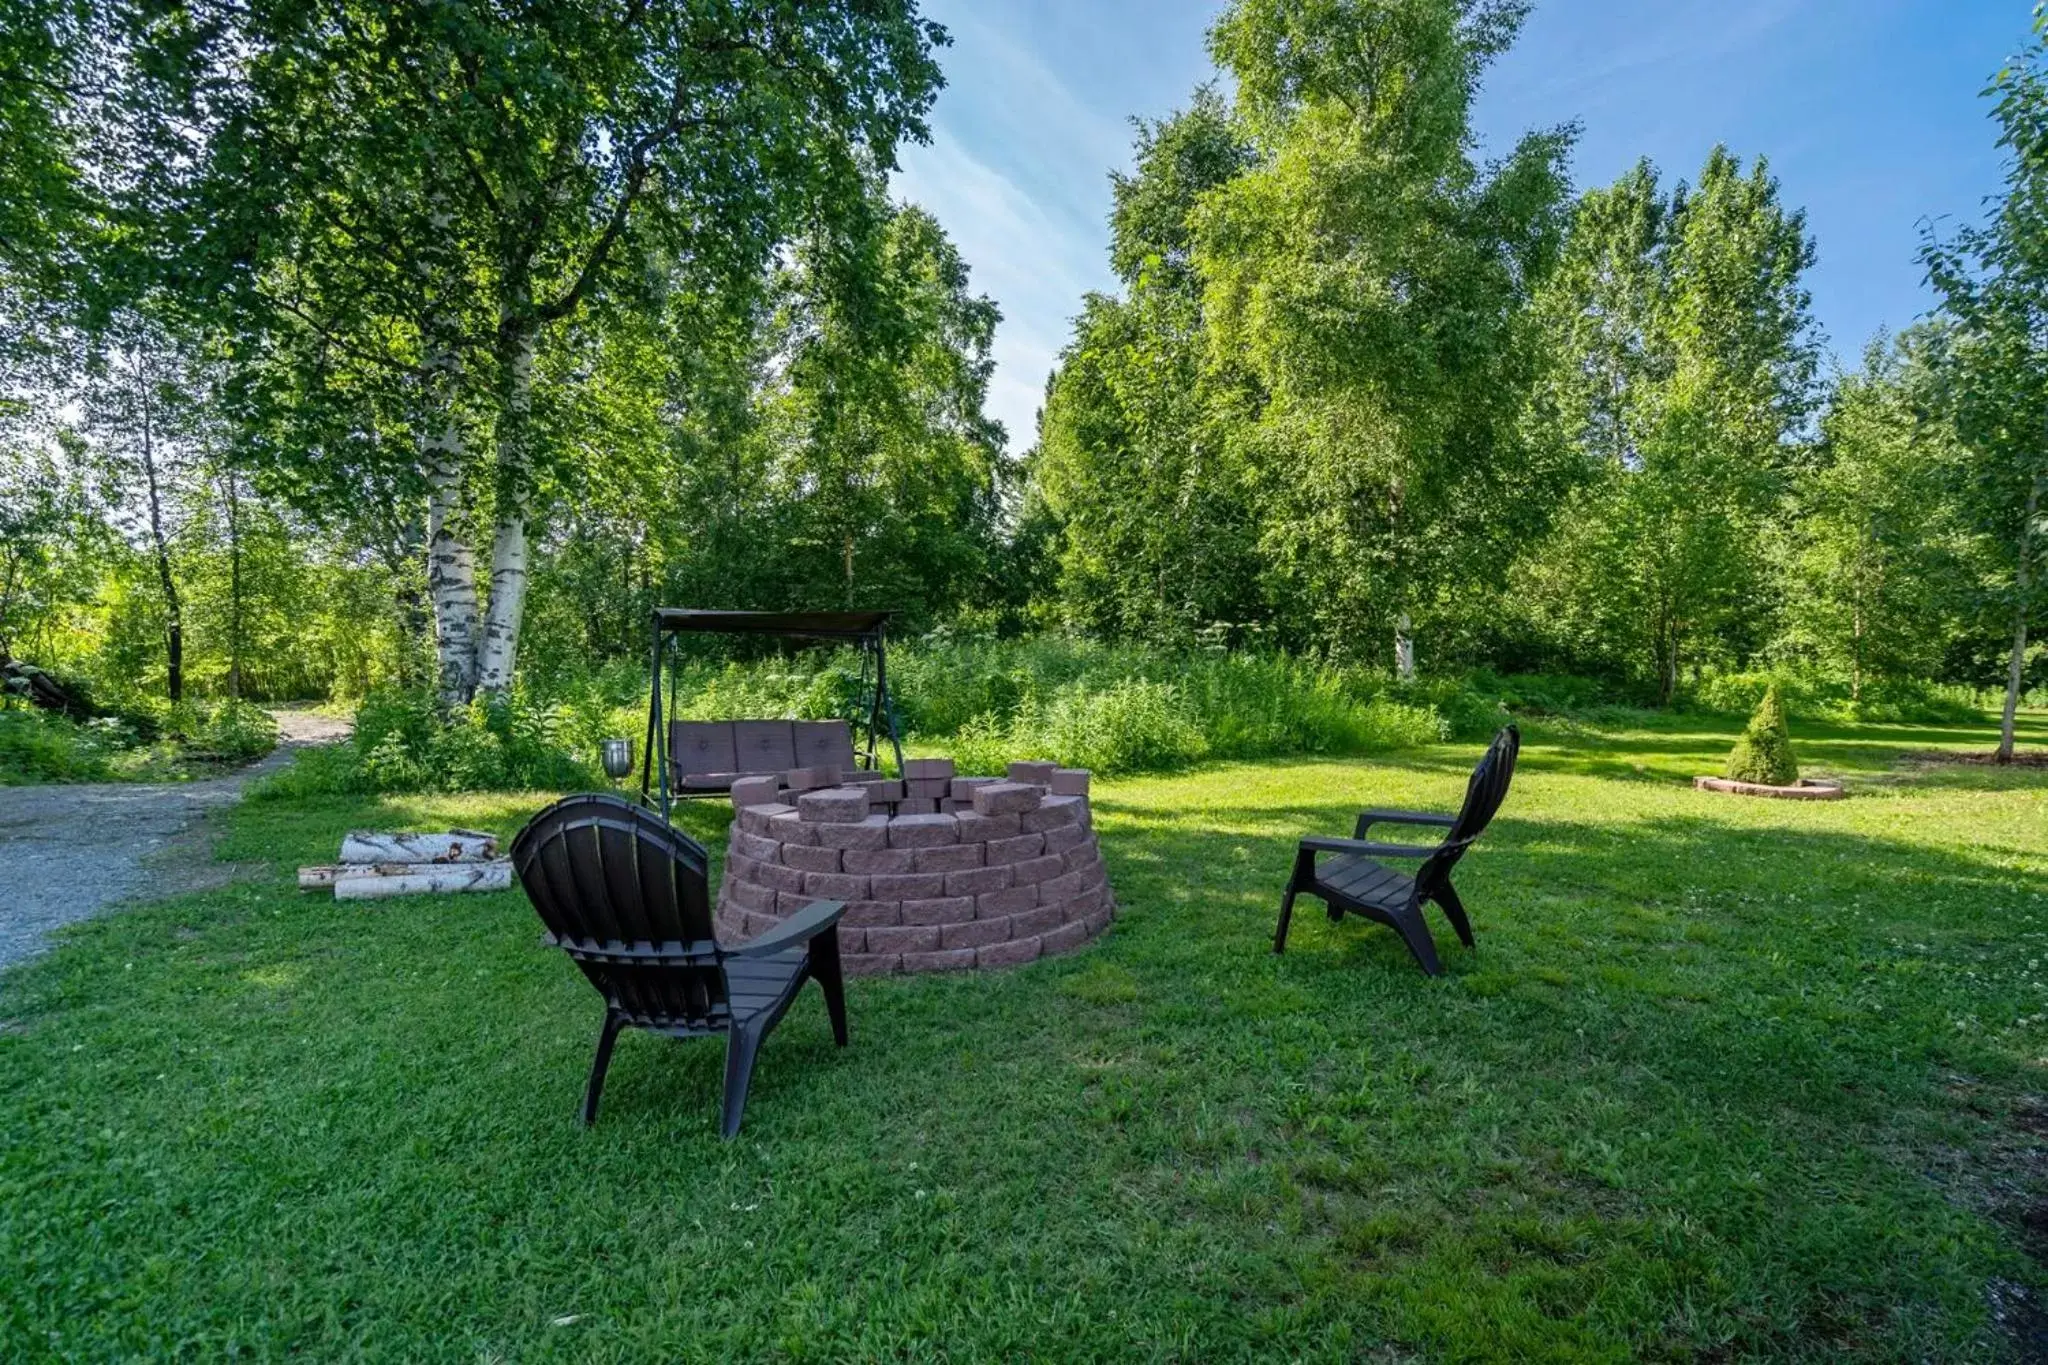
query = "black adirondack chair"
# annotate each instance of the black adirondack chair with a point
(1351, 881)
(624, 893)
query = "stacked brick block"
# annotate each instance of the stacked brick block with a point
(938, 872)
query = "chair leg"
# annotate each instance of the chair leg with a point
(1286, 916)
(742, 1045)
(1454, 911)
(831, 976)
(598, 1066)
(1408, 924)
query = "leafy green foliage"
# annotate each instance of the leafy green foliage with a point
(1681, 356)
(1354, 386)
(1992, 357)
(1877, 562)
(37, 746)
(152, 741)
(1130, 726)
(1157, 528)
(404, 743)
(1811, 693)
(1764, 752)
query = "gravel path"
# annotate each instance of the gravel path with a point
(67, 852)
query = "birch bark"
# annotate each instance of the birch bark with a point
(174, 616)
(444, 455)
(497, 652)
(2016, 671)
(451, 568)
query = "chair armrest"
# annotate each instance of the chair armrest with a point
(1368, 818)
(1318, 843)
(805, 925)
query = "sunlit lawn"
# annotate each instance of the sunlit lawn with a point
(1725, 1079)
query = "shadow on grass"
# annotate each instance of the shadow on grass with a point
(1693, 1096)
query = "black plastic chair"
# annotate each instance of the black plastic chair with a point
(1352, 882)
(625, 894)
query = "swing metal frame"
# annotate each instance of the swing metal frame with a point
(866, 631)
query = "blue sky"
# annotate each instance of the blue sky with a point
(1867, 109)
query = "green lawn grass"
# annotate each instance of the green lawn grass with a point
(1726, 1079)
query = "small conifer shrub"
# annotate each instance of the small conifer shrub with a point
(1764, 753)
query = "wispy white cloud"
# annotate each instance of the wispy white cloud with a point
(1030, 256)
(1035, 115)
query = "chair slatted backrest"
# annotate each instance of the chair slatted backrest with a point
(604, 874)
(1484, 792)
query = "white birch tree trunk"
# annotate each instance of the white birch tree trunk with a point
(451, 566)
(2016, 671)
(1404, 649)
(451, 571)
(497, 652)
(444, 457)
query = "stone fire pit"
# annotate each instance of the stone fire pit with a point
(938, 872)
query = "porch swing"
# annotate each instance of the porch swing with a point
(703, 758)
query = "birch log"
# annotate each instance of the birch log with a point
(438, 878)
(456, 846)
(321, 876)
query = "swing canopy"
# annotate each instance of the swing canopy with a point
(875, 718)
(790, 625)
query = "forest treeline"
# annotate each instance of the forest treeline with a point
(348, 345)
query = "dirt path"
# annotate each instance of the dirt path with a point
(67, 852)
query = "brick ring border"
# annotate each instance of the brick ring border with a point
(938, 872)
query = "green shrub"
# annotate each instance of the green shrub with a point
(237, 730)
(40, 746)
(1764, 752)
(323, 770)
(1113, 708)
(1133, 726)
(1903, 701)
(401, 745)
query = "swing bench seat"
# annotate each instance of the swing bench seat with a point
(707, 756)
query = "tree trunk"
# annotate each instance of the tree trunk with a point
(2016, 671)
(234, 511)
(1404, 649)
(399, 551)
(174, 621)
(7, 599)
(451, 568)
(498, 652)
(1856, 652)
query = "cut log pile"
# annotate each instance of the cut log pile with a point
(375, 865)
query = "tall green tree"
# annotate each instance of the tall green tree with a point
(53, 544)
(1375, 279)
(146, 420)
(879, 446)
(1680, 381)
(413, 202)
(825, 443)
(1158, 532)
(1872, 566)
(1993, 283)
